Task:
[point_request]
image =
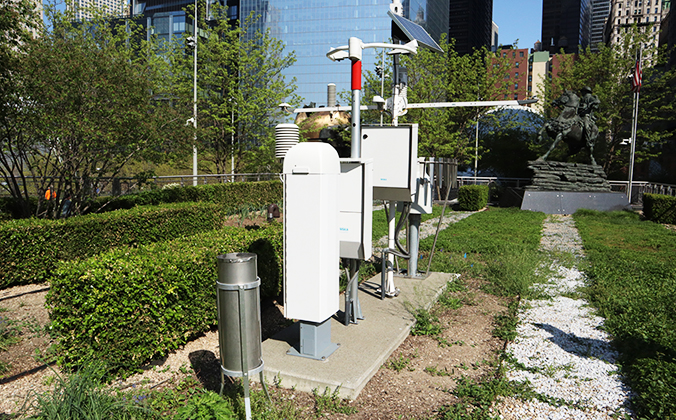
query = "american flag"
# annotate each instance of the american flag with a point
(637, 77)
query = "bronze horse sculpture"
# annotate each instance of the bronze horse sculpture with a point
(575, 125)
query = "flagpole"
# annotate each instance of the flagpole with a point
(632, 153)
(633, 145)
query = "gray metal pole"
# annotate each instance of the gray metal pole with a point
(413, 243)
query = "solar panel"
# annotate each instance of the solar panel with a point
(407, 31)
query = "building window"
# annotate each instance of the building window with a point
(504, 54)
(506, 96)
(506, 76)
(521, 54)
(516, 96)
(513, 54)
(516, 64)
(516, 86)
(516, 75)
(530, 88)
(530, 78)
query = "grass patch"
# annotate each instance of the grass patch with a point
(632, 273)
(400, 363)
(329, 403)
(426, 323)
(10, 332)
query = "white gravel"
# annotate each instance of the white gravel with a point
(561, 349)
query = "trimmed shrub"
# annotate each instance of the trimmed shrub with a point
(473, 197)
(127, 306)
(233, 196)
(660, 208)
(33, 247)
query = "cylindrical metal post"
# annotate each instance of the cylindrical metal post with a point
(239, 319)
(356, 112)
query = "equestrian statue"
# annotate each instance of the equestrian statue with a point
(575, 125)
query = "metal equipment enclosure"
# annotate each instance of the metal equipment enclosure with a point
(394, 151)
(311, 246)
(356, 208)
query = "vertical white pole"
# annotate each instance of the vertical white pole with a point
(232, 144)
(476, 149)
(633, 137)
(391, 217)
(382, 83)
(194, 102)
(633, 147)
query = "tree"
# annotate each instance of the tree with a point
(18, 21)
(240, 85)
(606, 73)
(450, 77)
(90, 102)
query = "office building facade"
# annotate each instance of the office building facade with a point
(647, 14)
(470, 24)
(113, 8)
(566, 24)
(310, 28)
(600, 13)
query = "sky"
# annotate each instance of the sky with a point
(518, 19)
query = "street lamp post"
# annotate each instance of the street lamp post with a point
(476, 149)
(194, 101)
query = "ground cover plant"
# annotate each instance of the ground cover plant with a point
(632, 271)
(500, 245)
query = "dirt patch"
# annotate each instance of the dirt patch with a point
(22, 309)
(431, 366)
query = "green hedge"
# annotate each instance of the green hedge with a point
(233, 196)
(473, 197)
(33, 247)
(126, 306)
(660, 208)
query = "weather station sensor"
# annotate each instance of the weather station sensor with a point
(311, 245)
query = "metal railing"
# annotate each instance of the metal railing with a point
(487, 180)
(638, 188)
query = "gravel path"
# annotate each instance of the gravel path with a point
(561, 348)
(427, 228)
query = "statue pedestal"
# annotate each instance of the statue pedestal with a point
(563, 202)
(562, 188)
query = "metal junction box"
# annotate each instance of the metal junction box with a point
(311, 244)
(394, 151)
(355, 220)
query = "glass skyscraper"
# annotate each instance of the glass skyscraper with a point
(312, 27)
(566, 24)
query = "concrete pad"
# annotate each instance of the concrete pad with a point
(364, 347)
